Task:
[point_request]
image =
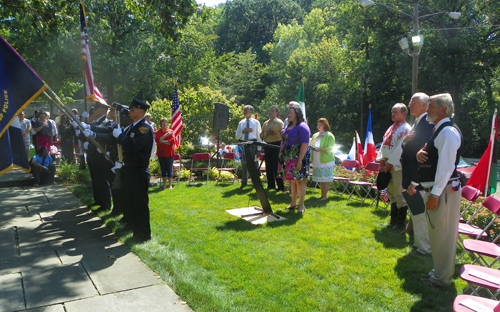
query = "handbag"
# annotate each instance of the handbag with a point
(383, 180)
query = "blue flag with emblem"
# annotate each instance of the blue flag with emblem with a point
(19, 85)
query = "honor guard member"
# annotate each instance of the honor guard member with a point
(438, 175)
(97, 162)
(137, 141)
(103, 134)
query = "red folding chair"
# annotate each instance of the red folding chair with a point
(478, 248)
(199, 157)
(479, 277)
(363, 182)
(177, 167)
(470, 194)
(468, 303)
(227, 157)
(492, 203)
(347, 164)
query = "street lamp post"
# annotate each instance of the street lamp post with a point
(417, 39)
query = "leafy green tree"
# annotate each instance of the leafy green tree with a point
(250, 24)
(241, 77)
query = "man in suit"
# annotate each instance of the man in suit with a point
(137, 141)
(420, 133)
(438, 175)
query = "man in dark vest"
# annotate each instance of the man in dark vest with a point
(420, 133)
(438, 176)
(137, 142)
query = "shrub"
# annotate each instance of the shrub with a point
(154, 167)
(70, 174)
(184, 173)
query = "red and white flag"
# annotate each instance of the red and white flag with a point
(359, 152)
(92, 94)
(484, 177)
(176, 118)
(370, 153)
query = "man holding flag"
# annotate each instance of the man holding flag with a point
(389, 157)
(136, 141)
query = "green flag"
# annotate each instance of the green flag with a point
(300, 98)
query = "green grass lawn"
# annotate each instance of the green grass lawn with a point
(334, 257)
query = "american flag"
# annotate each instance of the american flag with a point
(91, 92)
(176, 118)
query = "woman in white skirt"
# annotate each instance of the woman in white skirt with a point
(322, 158)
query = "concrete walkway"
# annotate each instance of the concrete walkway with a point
(57, 256)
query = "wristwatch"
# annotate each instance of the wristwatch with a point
(434, 196)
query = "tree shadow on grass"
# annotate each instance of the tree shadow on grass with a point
(238, 225)
(381, 213)
(409, 269)
(389, 238)
(238, 191)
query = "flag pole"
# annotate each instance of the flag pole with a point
(488, 173)
(57, 102)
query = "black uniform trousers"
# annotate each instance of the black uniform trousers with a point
(272, 158)
(99, 168)
(136, 201)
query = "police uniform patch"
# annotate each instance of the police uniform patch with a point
(143, 130)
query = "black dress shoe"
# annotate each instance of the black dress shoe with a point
(139, 239)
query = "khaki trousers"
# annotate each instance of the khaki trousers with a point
(421, 235)
(443, 233)
(394, 188)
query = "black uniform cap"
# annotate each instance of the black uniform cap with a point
(139, 104)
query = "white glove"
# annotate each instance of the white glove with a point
(85, 126)
(74, 124)
(85, 115)
(88, 133)
(86, 145)
(118, 165)
(99, 150)
(117, 131)
(77, 132)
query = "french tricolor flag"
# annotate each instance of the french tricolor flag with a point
(356, 152)
(370, 153)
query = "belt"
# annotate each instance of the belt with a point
(428, 189)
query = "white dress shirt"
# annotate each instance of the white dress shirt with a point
(447, 143)
(256, 130)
